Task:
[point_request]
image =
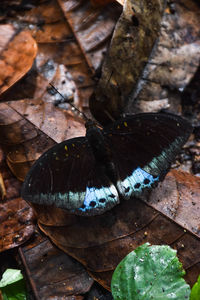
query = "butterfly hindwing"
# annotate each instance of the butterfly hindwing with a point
(143, 148)
(68, 177)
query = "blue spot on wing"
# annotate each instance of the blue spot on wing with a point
(98, 200)
(134, 184)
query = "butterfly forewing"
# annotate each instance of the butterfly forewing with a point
(68, 177)
(143, 148)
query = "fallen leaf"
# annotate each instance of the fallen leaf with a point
(92, 27)
(131, 45)
(178, 198)
(18, 51)
(16, 216)
(68, 278)
(174, 61)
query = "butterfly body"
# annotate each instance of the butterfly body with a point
(90, 175)
(101, 151)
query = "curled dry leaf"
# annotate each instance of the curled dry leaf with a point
(131, 45)
(100, 242)
(17, 55)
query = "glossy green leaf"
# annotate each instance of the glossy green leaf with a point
(12, 285)
(195, 293)
(150, 272)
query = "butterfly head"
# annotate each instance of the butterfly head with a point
(91, 124)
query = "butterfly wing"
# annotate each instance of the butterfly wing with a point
(68, 177)
(143, 147)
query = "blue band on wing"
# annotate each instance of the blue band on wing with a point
(136, 183)
(98, 199)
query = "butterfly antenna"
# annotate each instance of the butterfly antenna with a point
(80, 112)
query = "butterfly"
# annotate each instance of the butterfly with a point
(89, 175)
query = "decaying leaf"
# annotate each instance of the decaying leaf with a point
(92, 27)
(16, 216)
(53, 273)
(18, 51)
(173, 62)
(131, 46)
(178, 198)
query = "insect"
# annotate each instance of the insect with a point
(89, 175)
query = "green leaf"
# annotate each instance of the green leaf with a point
(10, 276)
(12, 285)
(150, 272)
(195, 293)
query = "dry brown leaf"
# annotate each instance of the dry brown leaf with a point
(174, 61)
(132, 42)
(17, 55)
(16, 223)
(178, 198)
(53, 273)
(92, 27)
(16, 216)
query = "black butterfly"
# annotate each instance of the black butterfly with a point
(87, 175)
